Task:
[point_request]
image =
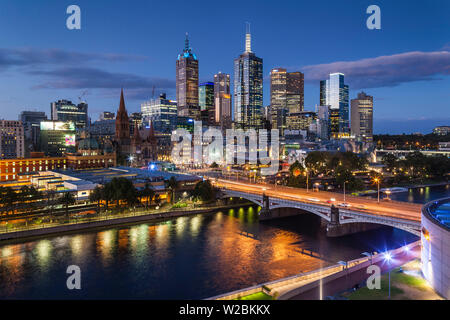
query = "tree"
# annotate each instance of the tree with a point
(67, 199)
(214, 165)
(204, 190)
(172, 184)
(147, 192)
(96, 196)
(390, 161)
(297, 175)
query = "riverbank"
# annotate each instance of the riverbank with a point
(102, 222)
(407, 283)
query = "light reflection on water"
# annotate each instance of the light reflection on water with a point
(186, 258)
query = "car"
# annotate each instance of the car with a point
(332, 200)
(313, 199)
(361, 206)
(344, 204)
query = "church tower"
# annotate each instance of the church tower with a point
(122, 122)
(123, 140)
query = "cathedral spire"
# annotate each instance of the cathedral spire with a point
(136, 134)
(122, 102)
(151, 136)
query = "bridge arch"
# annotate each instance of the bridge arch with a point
(255, 201)
(411, 229)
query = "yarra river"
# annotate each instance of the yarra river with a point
(185, 258)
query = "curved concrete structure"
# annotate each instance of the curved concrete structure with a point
(435, 237)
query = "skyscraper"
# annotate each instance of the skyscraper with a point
(206, 95)
(65, 110)
(286, 95)
(31, 121)
(187, 83)
(248, 88)
(161, 113)
(334, 93)
(206, 102)
(222, 100)
(362, 117)
(12, 141)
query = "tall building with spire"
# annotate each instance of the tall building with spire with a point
(187, 83)
(248, 88)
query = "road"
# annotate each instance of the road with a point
(402, 210)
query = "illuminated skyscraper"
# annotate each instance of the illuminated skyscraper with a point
(187, 83)
(161, 112)
(248, 88)
(286, 95)
(362, 117)
(334, 93)
(222, 100)
(206, 95)
(65, 110)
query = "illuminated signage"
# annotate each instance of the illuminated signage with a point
(69, 139)
(57, 126)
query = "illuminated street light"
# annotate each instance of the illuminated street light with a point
(377, 181)
(388, 258)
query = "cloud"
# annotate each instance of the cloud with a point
(137, 87)
(385, 71)
(32, 57)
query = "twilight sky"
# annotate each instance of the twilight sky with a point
(134, 45)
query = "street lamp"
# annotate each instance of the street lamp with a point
(388, 258)
(131, 158)
(344, 190)
(377, 181)
(307, 179)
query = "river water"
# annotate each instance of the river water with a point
(185, 258)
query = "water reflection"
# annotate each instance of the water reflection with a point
(189, 257)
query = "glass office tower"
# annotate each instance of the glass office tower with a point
(334, 93)
(248, 89)
(206, 95)
(65, 110)
(161, 113)
(187, 83)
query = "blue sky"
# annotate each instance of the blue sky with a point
(134, 44)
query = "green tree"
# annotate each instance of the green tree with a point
(96, 196)
(172, 184)
(66, 200)
(390, 161)
(204, 190)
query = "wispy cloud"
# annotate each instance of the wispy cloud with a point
(31, 57)
(138, 87)
(385, 71)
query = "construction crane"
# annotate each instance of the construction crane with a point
(84, 93)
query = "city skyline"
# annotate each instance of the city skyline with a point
(48, 68)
